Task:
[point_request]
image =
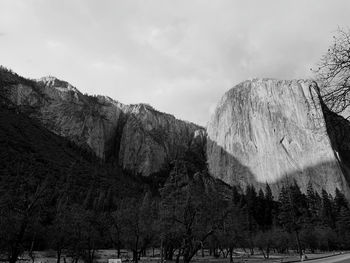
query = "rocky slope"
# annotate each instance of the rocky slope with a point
(137, 137)
(276, 132)
(263, 131)
(31, 155)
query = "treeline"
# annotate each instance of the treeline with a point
(8, 77)
(194, 216)
(46, 183)
(69, 209)
(82, 211)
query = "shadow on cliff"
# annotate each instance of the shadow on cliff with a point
(338, 129)
(323, 175)
(319, 175)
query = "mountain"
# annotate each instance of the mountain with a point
(262, 131)
(138, 138)
(276, 132)
(31, 154)
(89, 151)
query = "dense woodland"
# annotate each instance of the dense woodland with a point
(78, 212)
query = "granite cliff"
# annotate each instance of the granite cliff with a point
(273, 131)
(137, 137)
(262, 131)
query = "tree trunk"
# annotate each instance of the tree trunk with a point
(135, 257)
(178, 256)
(216, 254)
(118, 249)
(268, 252)
(169, 252)
(16, 247)
(58, 255)
(231, 254)
(186, 260)
(31, 252)
(92, 256)
(187, 254)
(298, 243)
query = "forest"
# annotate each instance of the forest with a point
(87, 207)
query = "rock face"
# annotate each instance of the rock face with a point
(151, 138)
(272, 131)
(137, 137)
(262, 131)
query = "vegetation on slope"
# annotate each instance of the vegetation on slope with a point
(43, 174)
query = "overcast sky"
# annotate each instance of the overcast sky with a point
(178, 56)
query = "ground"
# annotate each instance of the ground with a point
(104, 255)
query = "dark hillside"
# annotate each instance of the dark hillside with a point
(27, 147)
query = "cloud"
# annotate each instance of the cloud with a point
(54, 44)
(180, 56)
(107, 66)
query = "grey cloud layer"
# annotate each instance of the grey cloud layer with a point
(179, 56)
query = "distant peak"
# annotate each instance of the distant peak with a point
(47, 78)
(53, 82)
(142, 107)
(146, 106)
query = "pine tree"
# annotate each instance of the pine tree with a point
(236, 197)
(88, 202)
(340, 200)
(260, 210)
(327, 213)
(269, 206)
(292, 211)
(268, 193)
(251, 200)
(312, 205)
(343, 227)
(187, 212)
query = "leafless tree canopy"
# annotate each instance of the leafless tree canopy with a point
(333, 72)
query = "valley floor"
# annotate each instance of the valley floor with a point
(102, 256)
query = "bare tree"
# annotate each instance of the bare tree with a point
(21, 201)
(333, 73)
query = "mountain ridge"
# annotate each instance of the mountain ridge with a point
(265, 131)
(138, 137)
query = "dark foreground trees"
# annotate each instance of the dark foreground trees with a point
(292, 212)
(137, 219)
(21, 207)
(191, 214)
(187, 214)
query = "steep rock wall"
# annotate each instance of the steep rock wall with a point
(151, 138)
(272, 131)
(137, 137)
